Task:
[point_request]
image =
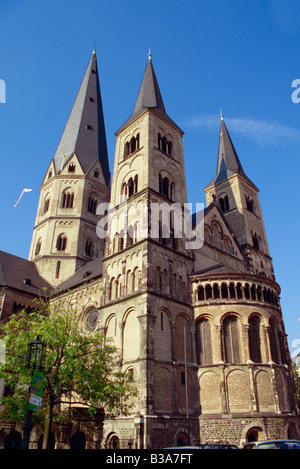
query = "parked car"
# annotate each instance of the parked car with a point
(273, 444)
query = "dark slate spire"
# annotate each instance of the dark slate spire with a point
(228, 161)
(149, 96)
(84, 133)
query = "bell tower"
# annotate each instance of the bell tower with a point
(146, 264)
(237, 197)
(76, 181)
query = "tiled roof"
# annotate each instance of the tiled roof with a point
(149, 97)
(21, 274)
(84, 133)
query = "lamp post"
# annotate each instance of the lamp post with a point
(35, 359)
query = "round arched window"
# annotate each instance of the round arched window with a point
(91, 320)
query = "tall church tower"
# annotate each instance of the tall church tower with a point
(237, 197)
(146, 267)
(76, 181)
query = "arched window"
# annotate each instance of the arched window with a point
(224, 290)
(71, 168)
(112, 288)
(203, 342)
(208, 292)
(89, 247)
(158, 278)
(115, 245)
(164, 145)
(130, 187)
(165, 187)
(200, 293)
(135, 183)
(113, 442)
(224, 203)
(230, 340)
(239, 291)
(253, 291)
(135, 279)
(130, 236)
(159, 138)
(131, 146)
(61, 242)
(46, 204)
(129, 282)
(38, 247)
(255, 241)
(121, 240)
(274, 342)
(247, 291)
(126, 149)
(249, 204)
(67, 199)
(92, 204)
(254, 339)
(216, 291)
(232, 290)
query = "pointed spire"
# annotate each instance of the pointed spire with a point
(84, 133)
(228, 161)
(149, 96)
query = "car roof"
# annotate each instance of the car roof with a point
(272, 441)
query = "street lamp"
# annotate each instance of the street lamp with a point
(35, 360)
(35, 357)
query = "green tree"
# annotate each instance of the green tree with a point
(81, 367)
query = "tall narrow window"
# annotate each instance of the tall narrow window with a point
(89, 247)
(46, 204)
(92, 204)
(254, 339)
(230, 340)
(130, 187)
(68, 199)
(255, 241)
(274, 342)
(132, 146)
(249, 204)
(135, 183)
(203, 342)
(38, 247)
(61, 242)
(121, 240)
(57, 269)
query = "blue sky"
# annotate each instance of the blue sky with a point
(236, 55)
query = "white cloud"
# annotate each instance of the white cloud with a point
(260, 131)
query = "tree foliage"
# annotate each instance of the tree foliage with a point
(81, 367)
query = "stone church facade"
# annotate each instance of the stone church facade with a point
(197, 318)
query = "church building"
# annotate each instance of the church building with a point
(195, 313)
